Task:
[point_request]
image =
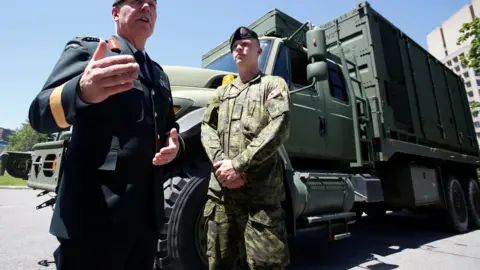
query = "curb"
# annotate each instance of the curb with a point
(15, 187)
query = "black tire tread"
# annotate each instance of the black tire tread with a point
(474, 218)
(455, 225)
(174, 190)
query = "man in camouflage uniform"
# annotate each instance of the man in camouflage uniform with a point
(244, 124)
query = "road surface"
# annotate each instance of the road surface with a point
(402, 242)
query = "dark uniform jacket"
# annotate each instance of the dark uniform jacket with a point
(108, 176)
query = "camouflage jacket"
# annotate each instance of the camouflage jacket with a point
(246, 123)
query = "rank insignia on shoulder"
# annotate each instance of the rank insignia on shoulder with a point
(113, 43)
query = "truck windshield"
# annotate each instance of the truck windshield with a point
(226, 63)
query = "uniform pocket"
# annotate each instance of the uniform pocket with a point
(255, 120)
(267, 216)
(128, 107)
(210, 227)
(210, 116)
(252, 105)
(209, 208)
(237, 112)
(266, 240)
(218, 230)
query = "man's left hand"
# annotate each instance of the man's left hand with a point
(169, 152)
(227, 173)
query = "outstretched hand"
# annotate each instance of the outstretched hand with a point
(104, 77)
(228, 176)
(169, 152)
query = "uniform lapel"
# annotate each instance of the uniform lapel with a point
(142, 83)
(127, 48)
(159, 81)
(154, 73)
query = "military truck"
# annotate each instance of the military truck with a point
(378, 124)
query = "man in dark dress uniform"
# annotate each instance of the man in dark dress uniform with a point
(110, 201)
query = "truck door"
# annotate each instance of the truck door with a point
(339, 135)
(307, 122)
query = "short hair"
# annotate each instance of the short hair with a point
(118, 4)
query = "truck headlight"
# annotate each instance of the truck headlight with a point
(181, 105)
(176, 108)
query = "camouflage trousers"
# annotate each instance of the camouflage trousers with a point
(246, 237)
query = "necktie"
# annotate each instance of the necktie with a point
(148, 76)
(142, 63)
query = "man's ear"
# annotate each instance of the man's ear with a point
(115, 12)
(260, 50)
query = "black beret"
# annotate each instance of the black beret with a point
(242, 33)
(116, 2)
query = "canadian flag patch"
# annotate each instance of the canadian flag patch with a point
(274, 93)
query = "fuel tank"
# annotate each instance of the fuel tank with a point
(318, 193)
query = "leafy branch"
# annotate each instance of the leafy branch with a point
(471, 30)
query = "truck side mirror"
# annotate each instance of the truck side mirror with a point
(317, 54)
(317, 71)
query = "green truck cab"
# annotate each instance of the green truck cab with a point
(378, 124)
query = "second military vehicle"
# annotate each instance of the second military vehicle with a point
(377, 124)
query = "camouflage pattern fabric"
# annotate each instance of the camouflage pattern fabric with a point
(240, 236)
(246, 123)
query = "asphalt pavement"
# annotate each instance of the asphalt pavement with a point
(397, 241)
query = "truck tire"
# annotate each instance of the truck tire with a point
(182, 243)
(17, 164)
(472, 192)
(456, 204)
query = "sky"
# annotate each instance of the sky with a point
(33, 33)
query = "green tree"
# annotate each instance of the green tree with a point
(24, 138)
(471, 30)
(474, 104)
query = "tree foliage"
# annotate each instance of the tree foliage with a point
(471, 30)
(474, 104)
(24, 138)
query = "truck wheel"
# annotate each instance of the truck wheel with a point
(472, 192)
(182, 243)
(18, 164)
(457, 211)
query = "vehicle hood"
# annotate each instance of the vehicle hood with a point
(195, 84)
(194, 77)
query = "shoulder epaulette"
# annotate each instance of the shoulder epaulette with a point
(89, 38)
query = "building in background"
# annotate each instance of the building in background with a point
(3, 145)
(442, 43)
(4, 134)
